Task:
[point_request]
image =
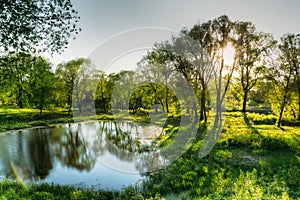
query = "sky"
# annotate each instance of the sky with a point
(103, 20)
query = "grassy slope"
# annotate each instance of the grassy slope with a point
(250, 161)
(253, 159)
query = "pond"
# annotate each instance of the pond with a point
(102, 154)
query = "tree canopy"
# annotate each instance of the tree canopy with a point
(36, 25)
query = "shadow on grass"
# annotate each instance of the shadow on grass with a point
(271, 142)
(249, 125)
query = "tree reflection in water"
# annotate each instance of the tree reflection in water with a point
(34, 152)
(132, 143)
(39, 148)
(72, 147)
(28, 152)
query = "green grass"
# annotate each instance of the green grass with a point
(13, 119)
(250, 161)
(253, 159)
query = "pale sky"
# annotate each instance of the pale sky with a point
(102, 19)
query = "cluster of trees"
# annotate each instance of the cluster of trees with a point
(199, 54)
(262, 70)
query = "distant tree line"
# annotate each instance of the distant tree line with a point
(263, 72)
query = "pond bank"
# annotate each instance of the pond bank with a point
(20, 119)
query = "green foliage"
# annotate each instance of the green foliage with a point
(36, 25)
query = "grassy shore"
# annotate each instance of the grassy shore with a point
(253, 159)
(13, 119)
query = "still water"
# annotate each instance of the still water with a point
(102, 154)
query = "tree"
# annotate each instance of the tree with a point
(102, 93)
(221, 36)
(156, 68)
(41, 84)
(15, 73)
(36, 25)
(85, 86)
(290, 49)
(284, 72)
(251, 48)
(67, 72)
(203, 66)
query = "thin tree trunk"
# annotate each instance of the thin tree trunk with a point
(281, 111)
(167, 103)
(280, 117)
(202, 104)
(245, 97)
(202, 107)
(69, 103)
(218, 109)
(41, 110)
(19, 97)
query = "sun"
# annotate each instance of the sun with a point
(228, 54)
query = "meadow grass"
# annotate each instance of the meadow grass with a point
(253, 159)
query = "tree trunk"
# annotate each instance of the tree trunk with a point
(280, 116)
(19, 97)
(41, 111)
(202, 104)
(218, 117)
(167, 103)
(245, 97)
(69, 103)
(41, 107)
(281, 111)
(196, 117)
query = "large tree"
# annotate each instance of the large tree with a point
(285, 72)
(42, 84)
(36, 25)
(222, 35)
(67, 73)
(156, 68)
(290, 49)
(15, 70)
(79, 82)
(252, 48)
(203, 67)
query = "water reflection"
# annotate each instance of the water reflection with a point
(28, 152)
(73, 153)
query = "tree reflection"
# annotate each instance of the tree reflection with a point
(27, 154)
(132, 143)
(72, 148)
(40, 153)
(32, 153)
